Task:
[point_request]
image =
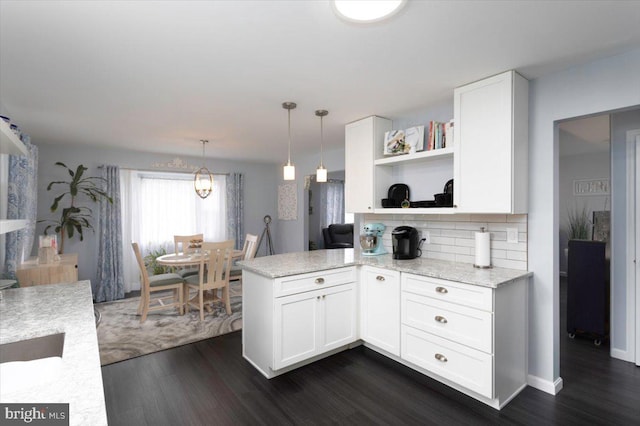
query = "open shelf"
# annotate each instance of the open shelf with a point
(9, 142)
(421, 156)
(430, 210)
(12, 225)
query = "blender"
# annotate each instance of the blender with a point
(371, 239)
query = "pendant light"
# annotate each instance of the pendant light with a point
(203, 181)
(289, 168)
(321, 171)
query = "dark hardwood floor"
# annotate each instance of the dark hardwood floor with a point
(209, 383)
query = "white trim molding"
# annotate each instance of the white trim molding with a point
(552, 388)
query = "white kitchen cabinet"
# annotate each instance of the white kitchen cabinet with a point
(491, 145)
(311, 323)
(361, 139)
(10, 144)
(293, 320)
(380, 308)
(469, 337)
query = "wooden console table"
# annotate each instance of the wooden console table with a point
(32, 273)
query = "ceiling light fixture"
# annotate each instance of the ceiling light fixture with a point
(203, 181)
(365, 11)
(289, 169)
(321, 171)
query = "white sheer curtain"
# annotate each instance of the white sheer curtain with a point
(157, 206)
(333, 197)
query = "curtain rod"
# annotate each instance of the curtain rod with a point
(165, 171)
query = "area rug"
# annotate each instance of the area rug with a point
(121, 336)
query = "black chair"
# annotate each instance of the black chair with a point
(338, 235)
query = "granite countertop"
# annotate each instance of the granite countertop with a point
(282, 265)
(48, 309)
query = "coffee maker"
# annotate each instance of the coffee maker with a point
(406, 243)
(371, 239)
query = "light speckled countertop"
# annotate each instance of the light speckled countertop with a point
(282, 265)
(48, 309)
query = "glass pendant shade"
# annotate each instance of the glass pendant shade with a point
(289, 170)
(203, 180)
(321, 174)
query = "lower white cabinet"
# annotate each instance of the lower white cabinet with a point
(293, 320)
(470, 337)
(380, 308)
(314, 322)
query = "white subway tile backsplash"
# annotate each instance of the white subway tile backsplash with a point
(453, 236)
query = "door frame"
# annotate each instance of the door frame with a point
(632, 219)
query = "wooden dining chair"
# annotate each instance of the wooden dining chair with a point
(157, 283)
(212, 277)
(181, 245)
(249, 250)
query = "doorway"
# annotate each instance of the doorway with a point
(585, 218)
(325, 205)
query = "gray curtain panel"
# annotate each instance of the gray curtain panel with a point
(110, 282)
(235, 208)
(22, 204)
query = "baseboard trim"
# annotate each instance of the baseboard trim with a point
(545, 385)
(622, 355)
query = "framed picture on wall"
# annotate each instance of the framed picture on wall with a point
(601, 226)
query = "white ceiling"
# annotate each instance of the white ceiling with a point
(586, 135)
(159, 76)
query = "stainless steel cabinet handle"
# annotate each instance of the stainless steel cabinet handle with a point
(380, 278)
(320, 280)
(323, 296)
(318, 297)
(441, 358)
(442, 290)
(441, 319)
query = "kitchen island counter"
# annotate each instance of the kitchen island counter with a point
(38, 311)
(284, 265)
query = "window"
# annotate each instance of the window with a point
(156, 206)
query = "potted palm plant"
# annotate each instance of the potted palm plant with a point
(74, 219)
(579, 224)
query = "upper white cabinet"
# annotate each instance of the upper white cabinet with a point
(491, 144)
(10, 144)
(361, 139)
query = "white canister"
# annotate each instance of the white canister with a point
(483, 249)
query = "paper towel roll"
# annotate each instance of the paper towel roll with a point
(483, 250)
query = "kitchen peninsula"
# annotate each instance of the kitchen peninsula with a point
(75, 377)
(463, 326)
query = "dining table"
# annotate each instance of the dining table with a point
(178, 260)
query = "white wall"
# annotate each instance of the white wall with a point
(604, 85)
(260, 183)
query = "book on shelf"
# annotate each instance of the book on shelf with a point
(440, 135)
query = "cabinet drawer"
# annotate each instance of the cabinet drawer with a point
(467, 326)
(467, 367)
(469, 295)
(313, 281)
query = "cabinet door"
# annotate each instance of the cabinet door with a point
(338, 317)
(295, 328)
(489, 163)
(380, 308)
(362, 138)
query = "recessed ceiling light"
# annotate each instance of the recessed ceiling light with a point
(366, 10)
